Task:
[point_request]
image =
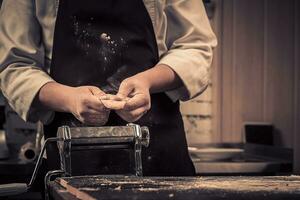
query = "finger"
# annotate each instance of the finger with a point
(110, 97)
(125, 89)
(83, 115)
(138, 113)
(112, 101)
(95, 90)
(137, 101)
(134, 115)
(94, 103)
(114, 105)
(86, 112)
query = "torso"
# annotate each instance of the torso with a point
(46, 12)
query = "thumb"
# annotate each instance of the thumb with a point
(95, 90)
(125, 89)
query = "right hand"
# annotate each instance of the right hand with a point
(86, 106)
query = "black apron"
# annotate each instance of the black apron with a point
(101, 43)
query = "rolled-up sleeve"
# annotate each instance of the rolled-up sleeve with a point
(22, 59)
(190, 41)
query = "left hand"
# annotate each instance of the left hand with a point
(135, 90)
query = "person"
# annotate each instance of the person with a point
(71, 62)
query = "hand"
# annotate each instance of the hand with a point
(135, 92)
(86, 106)
(83, 102)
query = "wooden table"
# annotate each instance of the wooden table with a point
(207, 188)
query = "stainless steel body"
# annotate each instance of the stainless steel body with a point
(82, 138)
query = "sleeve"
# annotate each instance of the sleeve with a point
(190, 41)
(22, 59)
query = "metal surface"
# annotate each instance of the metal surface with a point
(39, 136)
(255, 159)
(64, 148)
(192, 188)
(13, 189)
(138, 150)
(214, 154)
(28, 153)
(47, 180)
(100, 132)
(131, 136)
(4, 153)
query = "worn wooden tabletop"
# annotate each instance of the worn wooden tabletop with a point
(128, 187)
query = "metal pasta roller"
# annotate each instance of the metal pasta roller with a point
(76, 138)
